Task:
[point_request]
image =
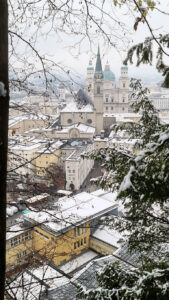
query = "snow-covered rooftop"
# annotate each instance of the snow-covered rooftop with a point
(78, 261)
(29, 147)
(31, 282)
(14, 230)
(72, 107)
(37, 198)
(51, 149)
(14, 121)
(11, 210)
(73, 210)
(108, 235)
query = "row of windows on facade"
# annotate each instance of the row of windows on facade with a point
(98, 88)
(20, 239)
(71, 178)
(21, 254)
(90, 87)
(80, 243)
(71, 171)
(79, 230)
(89, 121)
(112, 100)
(107, 108)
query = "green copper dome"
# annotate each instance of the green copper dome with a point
(124, 68)
(108, 74)
(90, 69)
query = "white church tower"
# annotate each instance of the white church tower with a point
(123, 90)
(98, 94)
(89, 80)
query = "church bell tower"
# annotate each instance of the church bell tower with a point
(98, 94)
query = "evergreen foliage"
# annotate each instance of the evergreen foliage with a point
(141, 178)
(118, 283)
(144, 55)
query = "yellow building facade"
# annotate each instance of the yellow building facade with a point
(101, 247)
(19, 249)
(61, 248)
(44, 160)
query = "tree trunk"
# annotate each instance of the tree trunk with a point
(4, 109)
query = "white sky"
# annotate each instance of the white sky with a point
(58, 47)
(159, 23)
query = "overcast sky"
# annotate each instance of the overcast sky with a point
(159, 23)
(59, 47)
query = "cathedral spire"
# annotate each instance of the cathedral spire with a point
(98, 68)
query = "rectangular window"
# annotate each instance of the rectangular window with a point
(106, 107)
(75, 232)
(78, 244)
(112, 100)
(15, 241)
(78, 231)
(24, 253)
(107, 99)
(81, 242)
(98, 89)
(74, 246)
(111, 107)
(124, 85)
(85, 240)
(84, 228)
(19, 255)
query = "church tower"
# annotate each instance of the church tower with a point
(124, 90)
(98, 94)
(89, 80)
